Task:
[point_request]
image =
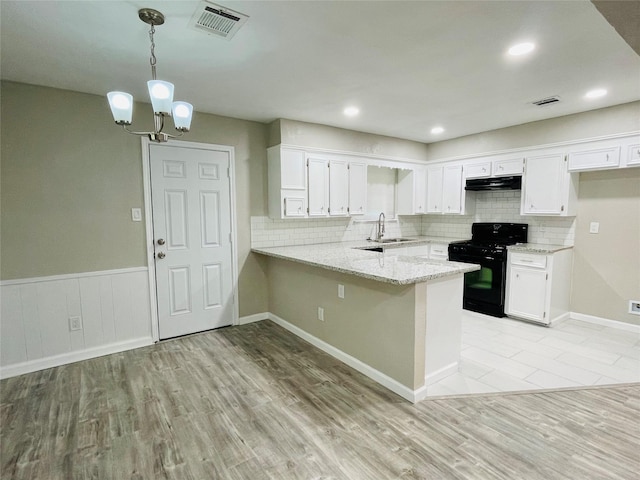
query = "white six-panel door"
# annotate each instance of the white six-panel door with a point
(191, 202)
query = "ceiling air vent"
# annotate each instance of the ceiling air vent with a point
(217, 20)
(547, 101)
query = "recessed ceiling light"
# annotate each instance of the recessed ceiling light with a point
(437, 130)
(521, 49)
(597, 93)
(351, 111)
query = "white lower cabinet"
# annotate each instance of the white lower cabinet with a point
(538, 285)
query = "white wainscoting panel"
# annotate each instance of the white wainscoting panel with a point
(34, 318)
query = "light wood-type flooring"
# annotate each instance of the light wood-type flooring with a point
(255, 402)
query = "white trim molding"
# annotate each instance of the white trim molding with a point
(629, 327)
(71, 357)
(256, 317)
(108, 311)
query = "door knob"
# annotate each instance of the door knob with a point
(161, 255)
(161, 241)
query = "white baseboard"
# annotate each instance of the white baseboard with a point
(256, 317)
(384, 380)
(440, 374)
(629, 327)
(560, 319)
(65, 358)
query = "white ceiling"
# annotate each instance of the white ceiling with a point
(408, 66)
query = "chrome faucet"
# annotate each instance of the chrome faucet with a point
(380, 232)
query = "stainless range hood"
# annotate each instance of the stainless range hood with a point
(494, 183)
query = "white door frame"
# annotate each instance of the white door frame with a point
(148, 218)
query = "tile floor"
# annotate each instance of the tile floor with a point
(502, 354)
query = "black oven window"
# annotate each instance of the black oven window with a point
(481, 279)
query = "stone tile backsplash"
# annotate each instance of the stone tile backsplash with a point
(490, 207)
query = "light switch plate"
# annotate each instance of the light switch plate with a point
(136, 214)
(340, 290)
(594, 227)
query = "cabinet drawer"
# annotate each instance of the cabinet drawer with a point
(512, 166)
(439, 251)
(294, 207)
(477, 170)
(417, 250)
(633, 155)
(528, 260)
(594, 159)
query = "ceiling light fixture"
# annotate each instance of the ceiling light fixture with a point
(351, 111)
(597, 93)
(437, 130)
(161, 94)
(521, 49)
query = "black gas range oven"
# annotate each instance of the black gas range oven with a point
(484, 289)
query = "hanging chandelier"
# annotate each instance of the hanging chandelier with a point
(161, 94)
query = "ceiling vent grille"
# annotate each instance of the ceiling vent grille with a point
(217, 20)
(547, 101)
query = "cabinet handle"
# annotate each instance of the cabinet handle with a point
(484, 169)
(517, 275)
(500, 167)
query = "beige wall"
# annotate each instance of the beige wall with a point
(606, 271)
(292, 132)
(374, 323)
(69, 178)
(606, 266)
(595, 123)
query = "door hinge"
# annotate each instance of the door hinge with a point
(348, 211)
(230, 237)
(562, 208)
(544, 315)
(329, 210)
(547, 277)
(307, 210)
(228, 172)
(565, 158)
(307, 162)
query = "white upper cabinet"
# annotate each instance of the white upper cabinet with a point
(547, 187)
(338, 188)
(318, 171)
(434, 189)
(507, 167)
(287, 182)
(477, 170)
(357, 188)
(452, 189)
(598, 158)
(633, 155)
(411, 191)
(445, 190)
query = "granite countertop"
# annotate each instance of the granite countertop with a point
(349, 257)
(537, 247)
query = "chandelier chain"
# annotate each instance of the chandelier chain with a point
(152, 59)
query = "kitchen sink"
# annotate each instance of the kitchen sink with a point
(392, 240)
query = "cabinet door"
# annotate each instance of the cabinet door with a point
(508, 166)
(544, 185)
(338, 188)
(292, 170)
(420, 194)
(357, 188)
(318, 187)
(452, 189)
(594, 159)
(294, 207)
(633, 155)
(434, 190)
(527, 293)
(477, 170)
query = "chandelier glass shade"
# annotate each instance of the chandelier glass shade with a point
(160, 93)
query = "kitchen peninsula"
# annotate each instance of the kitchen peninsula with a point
(394, 317)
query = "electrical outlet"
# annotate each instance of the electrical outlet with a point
(340, 291)
(594, 227)
(321, 314)
(634, 307)
(136, 214)
(75, 323)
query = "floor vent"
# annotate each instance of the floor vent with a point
(217, 20)
(547, 101)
